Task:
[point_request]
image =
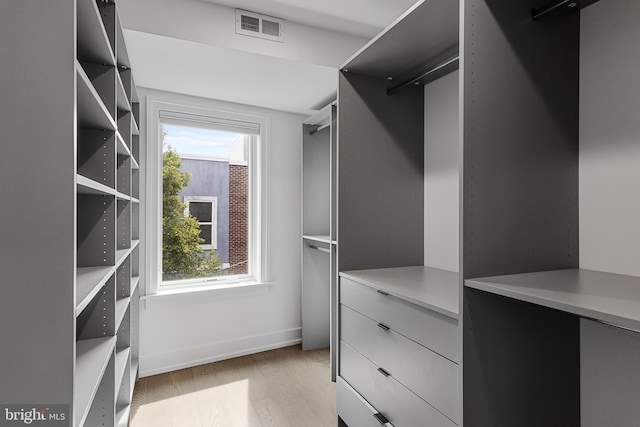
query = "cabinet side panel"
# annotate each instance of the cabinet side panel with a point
(380, 174)
(520, 210)
(521, 364)
(316, 169)
(37, 229)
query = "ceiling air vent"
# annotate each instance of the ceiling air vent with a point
(257, 25)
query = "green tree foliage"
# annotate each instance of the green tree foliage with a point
(182, 255)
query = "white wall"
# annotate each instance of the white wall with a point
(183, 330)
(610, 137)
(441, 172)
(208, 23)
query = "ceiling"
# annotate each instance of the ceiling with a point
(358, 17)
(193, 68)
(207, 71)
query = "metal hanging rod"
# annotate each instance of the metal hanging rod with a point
(321, 249)
(444, 67)
(319, 128)
(550, 7)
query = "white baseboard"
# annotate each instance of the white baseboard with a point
(160, 363)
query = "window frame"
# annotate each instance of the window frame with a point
(213, 201)
(206, 110)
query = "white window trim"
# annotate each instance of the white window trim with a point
(258, 256)
(214, 217)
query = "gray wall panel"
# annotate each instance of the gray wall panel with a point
(37, 230)
(520, 207)
(521, 364)
(610, 375)
(380, 165)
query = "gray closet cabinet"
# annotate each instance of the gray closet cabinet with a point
(319, 237)
(70, 221)
(551, 148)
(549, 286)
(399, 350)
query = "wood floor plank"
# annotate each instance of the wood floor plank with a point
(277, 388)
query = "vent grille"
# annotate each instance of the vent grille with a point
(257, 25)
(249, 23)
(271, 28)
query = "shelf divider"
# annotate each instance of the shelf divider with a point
(92, 358)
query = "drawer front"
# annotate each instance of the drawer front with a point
(433, 330)
(398, 404)
(429, 375)
(353, 409)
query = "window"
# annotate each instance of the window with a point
(211, 197)
(205, 210)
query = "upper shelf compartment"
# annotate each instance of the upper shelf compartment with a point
(424, 37)
(93, 42)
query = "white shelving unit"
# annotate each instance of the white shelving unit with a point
(74, 294)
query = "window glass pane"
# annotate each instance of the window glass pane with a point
(205, 233)
(208, 170)
(201, 210)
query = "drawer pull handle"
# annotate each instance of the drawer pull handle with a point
(383, 293)
(383, 372)
(381, 418)
(383, 326)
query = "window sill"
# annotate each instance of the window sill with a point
(207, 292)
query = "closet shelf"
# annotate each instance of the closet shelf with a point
(422, 37)
(428, 287)
(121, 255)
(324, 238)
(134, 126)
(92, 112)
(321, 117)
(121, 96)
(122, 358)
(93, 43)
(123, 149)
(122, 416)
(134, 373)
(92, 358)
(89, 281)
(134, 283)
(121, 308)
(88, 186)
(607, 297)
(134, 163)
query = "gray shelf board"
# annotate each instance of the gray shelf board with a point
(423, 36)
(134, 283)
(134, 244)
(93, 42)
(89, 281)
(606, 297)
(135, 130)
(92, 358)
(428, 287)
(122, 416)
(324, 238)
(134, 373)
(122, 357)
(86, 185)
(121, 255)
(123, 196)
(319, 118)
(122, 146)
(121, 308)
(134, 163)
(134, 200)
(121, 95)
(90, 109)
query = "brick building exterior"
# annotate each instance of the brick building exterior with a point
(238, 218)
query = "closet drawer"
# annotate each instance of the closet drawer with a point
(429, 375)
(399, 405)
(433, 330)
(353, 409)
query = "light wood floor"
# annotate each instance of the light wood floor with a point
(280, 388)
